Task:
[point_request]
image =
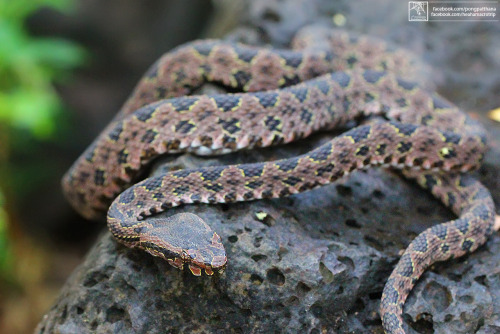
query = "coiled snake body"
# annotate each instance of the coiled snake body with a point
(335, 79)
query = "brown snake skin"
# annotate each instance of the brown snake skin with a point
(426, 136)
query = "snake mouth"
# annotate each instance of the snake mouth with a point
(211, 258)
(197, 268)
(215, 268)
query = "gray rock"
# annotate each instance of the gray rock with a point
(314, 262)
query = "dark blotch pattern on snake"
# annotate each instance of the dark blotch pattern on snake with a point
(337, 78)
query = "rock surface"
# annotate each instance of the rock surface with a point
(315, 262)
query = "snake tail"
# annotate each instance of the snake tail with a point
(472, 202)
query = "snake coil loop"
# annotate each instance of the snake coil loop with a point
(334, 79)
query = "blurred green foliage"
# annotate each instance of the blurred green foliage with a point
(5, 252)
(29, 104)
(28, 67)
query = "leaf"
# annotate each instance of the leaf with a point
(29, 66)
(56, 53)
(494, 114)
(30, 109)
(20, 9)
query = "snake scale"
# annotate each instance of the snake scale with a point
(331, 78)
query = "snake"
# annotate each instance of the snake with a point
(328, 79)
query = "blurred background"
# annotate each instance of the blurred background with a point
(66, 66)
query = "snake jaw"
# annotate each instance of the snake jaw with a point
(198, 261)
(197, 264)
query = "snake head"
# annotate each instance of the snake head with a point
(185, 239)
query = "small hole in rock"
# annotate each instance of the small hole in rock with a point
(352, 223)
(455, 277)
(114, 314)
(232, 238)
(293, 300)
(437, 294)
(378, 194)
(282, 251)
(276, 277)
(344, 190)
(358, 306)
(270, 15)
(94, 278)
(317, 310)
(257, 242)
(467, 299)
(256, 279)
(349, 263)
(64, 314)
(374, 242)
(246, 312)
(302, 288)
(259, 257)
(326, 273)
(424, 324)
(161, 304)
(481, 279)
